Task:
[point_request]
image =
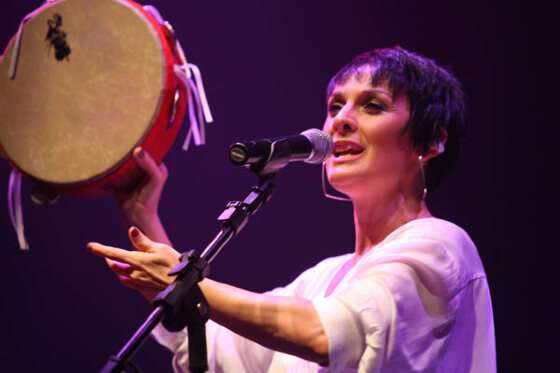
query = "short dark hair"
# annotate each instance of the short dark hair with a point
(435, 95)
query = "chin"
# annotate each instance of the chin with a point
(344, 181)
(352, 179)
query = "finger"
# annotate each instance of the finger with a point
(137, 284)
(113, 253)
(119, 268)
(149, 294)
(163, 170)
(148, 164)
(140, 241)
(127, 281)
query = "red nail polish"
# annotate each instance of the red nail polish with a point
(134, 233)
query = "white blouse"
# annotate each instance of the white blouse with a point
(416, 302)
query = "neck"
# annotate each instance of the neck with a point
(375, 218)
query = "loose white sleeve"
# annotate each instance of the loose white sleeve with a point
(399, 303)
(398, 309)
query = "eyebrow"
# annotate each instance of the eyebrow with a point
(370, 91)
(379, 90)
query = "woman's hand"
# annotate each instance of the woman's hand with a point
(140, 205)
(144, 269)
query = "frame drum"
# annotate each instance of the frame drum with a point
(81, 85)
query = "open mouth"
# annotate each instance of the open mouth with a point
(346, 148)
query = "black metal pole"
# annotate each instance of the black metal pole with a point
(182, 303)
(118, 363)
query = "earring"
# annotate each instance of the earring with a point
(425, 189)
(324, 186)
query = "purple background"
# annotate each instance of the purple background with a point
(265, 66)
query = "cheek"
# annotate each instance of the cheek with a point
(389, 149)
(327, 126)
(388, 136)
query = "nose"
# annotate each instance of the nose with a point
(343, 123)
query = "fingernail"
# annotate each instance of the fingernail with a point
(141, 154)
(134, 232)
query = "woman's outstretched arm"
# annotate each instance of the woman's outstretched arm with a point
(286, 324)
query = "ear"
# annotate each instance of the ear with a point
(437, 147)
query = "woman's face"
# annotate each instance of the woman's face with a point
(371, 150)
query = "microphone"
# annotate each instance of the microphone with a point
(268, 156)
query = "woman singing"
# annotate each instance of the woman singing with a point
(412, 296)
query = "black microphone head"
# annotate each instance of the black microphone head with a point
(322, 145)
(238, 153)
(251, 152)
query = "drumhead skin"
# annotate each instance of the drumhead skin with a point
(92, 77)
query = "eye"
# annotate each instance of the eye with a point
(374, 106)
(334, 108)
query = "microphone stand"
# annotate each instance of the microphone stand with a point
(182, 304)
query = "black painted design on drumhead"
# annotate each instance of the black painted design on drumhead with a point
(56, 38)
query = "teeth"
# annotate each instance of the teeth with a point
(342, 151)
(346, 148)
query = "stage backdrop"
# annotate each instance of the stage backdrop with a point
(265, 66)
